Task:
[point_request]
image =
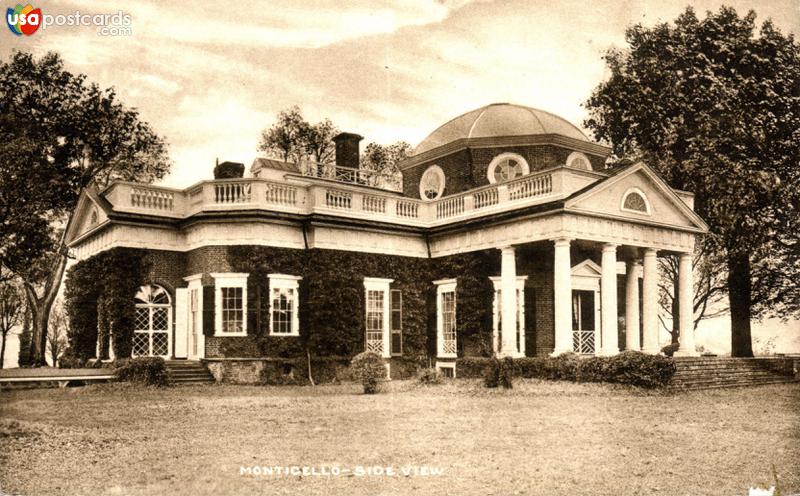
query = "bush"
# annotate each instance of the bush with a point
(229, 170)
(368, 368)
(491, 374)
(429, 377)
(641, 369)
(507, 373)
(670, 349)
(150, 371)
(472, 366)
(69, 360)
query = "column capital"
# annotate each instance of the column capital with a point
(685, 255)
(507, 248)
(610, 246)
(650, 252)
(562, 241)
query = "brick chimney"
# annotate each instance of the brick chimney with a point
(347, 153)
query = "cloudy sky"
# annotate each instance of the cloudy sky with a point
(211, 78)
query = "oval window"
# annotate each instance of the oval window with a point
(431, 185)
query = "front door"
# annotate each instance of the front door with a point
(583, 322)
(153, 320)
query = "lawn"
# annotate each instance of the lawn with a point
(539, 438)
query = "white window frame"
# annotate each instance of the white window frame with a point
(496, 317)
(506, 156)
(576, 155)
(446, 365)
(445, 286)
(380, 285)
(638, 191)
(285, 281)
(433, 169)
(229, 280)
(195, 317)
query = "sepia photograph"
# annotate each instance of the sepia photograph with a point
(396, 247)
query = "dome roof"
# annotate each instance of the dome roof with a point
(499, 119)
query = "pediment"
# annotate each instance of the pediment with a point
(89, 215)
(653, 201)
(587, 268)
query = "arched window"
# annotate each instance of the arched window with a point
(634, 200)
(153, 322)
(431, 186)
(578, 160)
(505, 167)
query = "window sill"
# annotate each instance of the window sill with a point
(285, 335)
(230, 334)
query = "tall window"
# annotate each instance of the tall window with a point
(152, 322)
(397, 322)
(378, 319)
(284, 305)
(446, 317)
(230, 302)
(497, 320)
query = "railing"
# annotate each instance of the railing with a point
(338, 199)
(238, 192)
(280, 194)
(370, 203)
(152, 199)
(307, 195)
(363, 177)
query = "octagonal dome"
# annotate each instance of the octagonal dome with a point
(499, 119)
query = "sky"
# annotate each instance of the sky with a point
(210, 77)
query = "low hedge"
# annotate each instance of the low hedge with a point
(629, 367)
(149, 371)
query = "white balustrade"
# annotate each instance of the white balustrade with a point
(280, 194)
(335, 198)
(370, 203)
(152, 199)
(450, 207)
(530, 187)
(407, 209)
(486, 198)
(233, 192)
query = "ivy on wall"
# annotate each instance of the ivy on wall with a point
(99, 298)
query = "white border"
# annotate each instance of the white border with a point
(575, 155)
(229, 280)
(629, 191)
(505, 156)
(286, 281)
(433, 169)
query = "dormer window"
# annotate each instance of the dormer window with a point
(431, 186)
(634, 200)
(578, 160)
(506, 167)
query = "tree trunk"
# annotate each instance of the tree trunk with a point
(739, 295)
(40, 309)
(3, 350)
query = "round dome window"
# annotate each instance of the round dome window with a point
(506, 167)
(431, 186)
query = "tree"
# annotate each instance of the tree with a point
(292, 139)
(59, 135)
(59, 329)
(11, 313)
(715, 109)
(383, 160)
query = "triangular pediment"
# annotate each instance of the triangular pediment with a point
(652, 200)
(89, 215)
(587, 268)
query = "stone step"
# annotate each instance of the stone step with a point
(730, 373)
(188, 372)
(720, 385)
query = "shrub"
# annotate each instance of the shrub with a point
(670, 349)
(640, 369)
(368, 368)
(473, 367)
(69, 360)
(507, 373)
(229, 170)
(429, 377)
(150, 371)
(491, 374)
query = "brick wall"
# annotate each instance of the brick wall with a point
(467, 169)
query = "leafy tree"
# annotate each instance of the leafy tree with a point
(384, 161)
(293, 139)
(12, 310)
(715, 109)
(59, 135)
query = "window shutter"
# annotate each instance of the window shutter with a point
(208, 310)
(254, 310)
(396, 321)
(530, 321)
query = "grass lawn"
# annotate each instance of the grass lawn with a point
(539, 438)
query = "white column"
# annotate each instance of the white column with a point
(608, 301)
(685, 306)
(632, 305)
(508, 288)
(562, 297)
(650, 303)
